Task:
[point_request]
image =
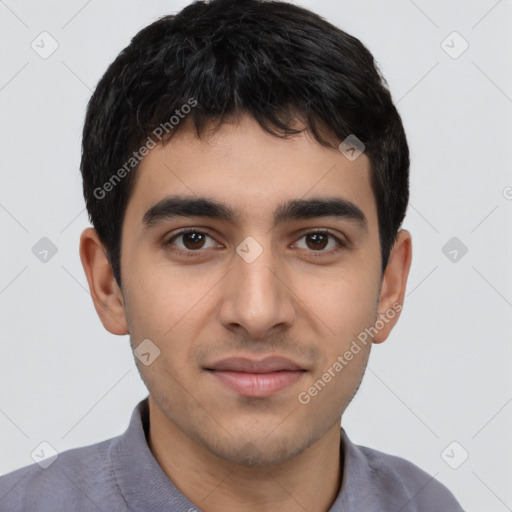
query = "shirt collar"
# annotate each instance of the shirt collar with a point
(144, 485)
(138, 475)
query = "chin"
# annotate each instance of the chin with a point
(258, 451)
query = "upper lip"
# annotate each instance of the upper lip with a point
(245, 365)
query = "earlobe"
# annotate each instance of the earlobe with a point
(105, 293)
(394, 283)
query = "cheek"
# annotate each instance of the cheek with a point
(164, 302)
(163, 311)
(346, 307)
(343, 303)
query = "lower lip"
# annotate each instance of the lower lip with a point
(257, 384)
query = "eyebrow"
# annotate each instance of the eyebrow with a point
(297, 209)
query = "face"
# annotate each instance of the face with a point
(254, 304)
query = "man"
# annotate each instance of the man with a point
(246, 174)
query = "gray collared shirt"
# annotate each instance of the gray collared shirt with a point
(121, 475)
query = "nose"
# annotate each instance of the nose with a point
(257, 300)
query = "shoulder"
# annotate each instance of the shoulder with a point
(76, 480)
(398, 483)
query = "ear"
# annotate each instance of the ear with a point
(105, 292)
(394, 281)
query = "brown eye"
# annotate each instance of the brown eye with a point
(191, 241)
(319, 241)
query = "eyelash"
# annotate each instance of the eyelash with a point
(197, 253)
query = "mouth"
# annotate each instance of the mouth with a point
(251, 378)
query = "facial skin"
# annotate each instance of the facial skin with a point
(224, 450)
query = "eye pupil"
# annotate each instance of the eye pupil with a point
(319, 240)
(196, 239)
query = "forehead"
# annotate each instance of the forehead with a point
(252, 172)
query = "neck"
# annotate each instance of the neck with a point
(310, 481)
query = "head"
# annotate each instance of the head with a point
(226, 120)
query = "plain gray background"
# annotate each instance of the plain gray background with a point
(443, 376)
